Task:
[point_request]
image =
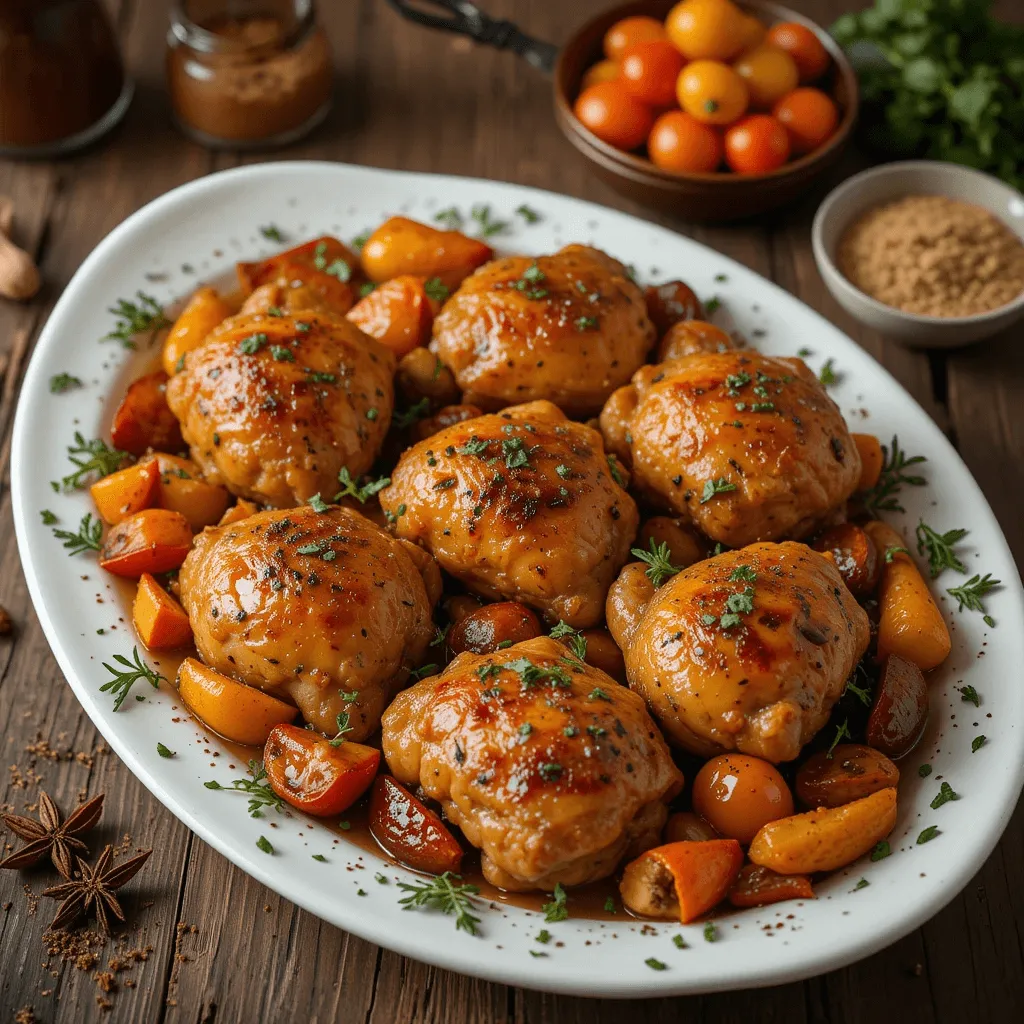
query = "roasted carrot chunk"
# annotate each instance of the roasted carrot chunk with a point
(127, 491)
(872, 458)
(403, 246)
(183, 490)
(154, 541)
(757, 886)
(314, 775)
(160, 621)
(854, 554)
(144, 419)
(238, 712)
(410, 831)
(681, 880)
(239, 511)
(204, 311)
(398, 314)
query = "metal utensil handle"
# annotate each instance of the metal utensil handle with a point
(466, 19)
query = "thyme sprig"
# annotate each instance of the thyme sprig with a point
(658, 558)
(125, 678)
(135, 318)
(88, 537)
(938, 547)
(444, 894)
(94, 456)
(362, 493)
(255, 788)
(883, 497)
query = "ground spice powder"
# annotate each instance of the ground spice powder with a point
(933, 256)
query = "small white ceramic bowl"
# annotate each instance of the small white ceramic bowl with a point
(884, 184)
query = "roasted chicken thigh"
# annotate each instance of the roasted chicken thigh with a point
(746, 651)
(521, 504)
(323, 608)
(274, 406)
(569, 328)
(746, 446)
(553, 770)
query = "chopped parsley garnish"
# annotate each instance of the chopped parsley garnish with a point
(881, 850)
(320, 256)
(134, 318)
(945, 794)
(342, 721)
(615, 470)
(924, 770)
(658, 560)
(550, 771)
(528, 214)
(88, 538)
(486, 223)
(317, 504)
(598, 694)
(977, 743)
(340, 269)
(710, 932)
(320, 857)
(263, 843)
(713, 487)
(48, 517)
(165, 751)
(449, 218)
(516, 455)
(94, 456)
(436, 289)
(928, 834)
(655, 964)
(256, 788)
(828, 375)
(969, 695)
(577, 642)
(61, 382)
(609, 906)
(407, 417)
(360, 240)
(893, 550)
(586, 323)
(543, 937)
(842, 732)
(474, 446)
(252, 344)
(363, 493)
(712, 305)
(372, 413)
(272, 233)
(443, 894)
(282, 354)
(863, 883)
(557, 909)
(939, 548)
(883, 496)
(367, 288)
(735, 381)
(133, 670)
(969, 595)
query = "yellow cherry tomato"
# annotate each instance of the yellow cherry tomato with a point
(711, 92)
(706, 29)
(752, 33)
(738, 794)
(769, 73)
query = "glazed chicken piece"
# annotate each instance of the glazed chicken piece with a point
(519, 505)
(311, 606)
(746, 446)
(570, 328)
(746, 651)
(553, 770)
(274, 406)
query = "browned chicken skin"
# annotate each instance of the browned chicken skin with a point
(748, 447)
(271, 605)
(520, 504)
(763, 679)
(274, 406)
(549, 767)
(570, 328)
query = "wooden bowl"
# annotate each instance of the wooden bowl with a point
(709, 198)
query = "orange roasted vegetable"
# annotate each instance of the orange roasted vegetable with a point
(900, 711)
(398, 313)
(854, 554)
(155, 540)
(846, 773)
(127, 491)
(494, 627)
(681, 881)
(306, 770)
(235, 711)
(447, 416)
(159, 620)
(144, 419)
(182, 489)
(686, 826)
(403, 246)
(757, 886)
(242, 510)
(872, 458)
(910, 623)
(324, 266)
(671, 302)
(204, 311)
(410, 831)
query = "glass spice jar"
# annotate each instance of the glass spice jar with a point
(62, 81)
(246, 74)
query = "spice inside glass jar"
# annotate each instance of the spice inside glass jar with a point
(248, 73)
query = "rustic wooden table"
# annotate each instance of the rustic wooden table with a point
(225, 948)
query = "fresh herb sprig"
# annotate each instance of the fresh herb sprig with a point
(94, 456)
(88, 538)
(362, 493)
(883, 497)
(558, 908)
(135, 318)
(938, 547)
(658, 558)
(969, 595)
(61, 382)
(256, 788)
(125, 677)
(443, 893)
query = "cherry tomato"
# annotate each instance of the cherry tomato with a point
(628, 31)
(769, 73)
(679, 142)
(738, 794)
(806, 49)
(712, 92)
(752, 33)
(756, 145)
(706, 29)
(809, 117)
(602, 71)
(410, 831)
(304, 769)
(614, 115)
(650, 69)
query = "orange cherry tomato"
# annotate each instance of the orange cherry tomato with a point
(679, 142)
(809, 117)
(410, 831)
(628, 31)
(706, 29)
(614, 114)
(649, 71)
(769, 72)
(602, 71)
(738, 794)
(712, 92)
(806, 49)
(756, 145)
(304, 769)
(752, 33)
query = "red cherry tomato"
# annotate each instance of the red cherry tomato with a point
(614, 114)
(628, 31)
(808, 116)
(808, 53)
(410, 831)
(649, 71)
(304, 769)
(756, 145)
(679, 142)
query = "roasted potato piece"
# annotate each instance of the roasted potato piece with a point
(398, 313)
(738, 794)
(603, 653)
(403, 246)
(852, 772)
(204, 311)
(144, 419)
(183, 489)
(155, 540)
(900, 711)
(127, 491)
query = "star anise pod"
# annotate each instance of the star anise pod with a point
(94, 890)
(51, 835)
